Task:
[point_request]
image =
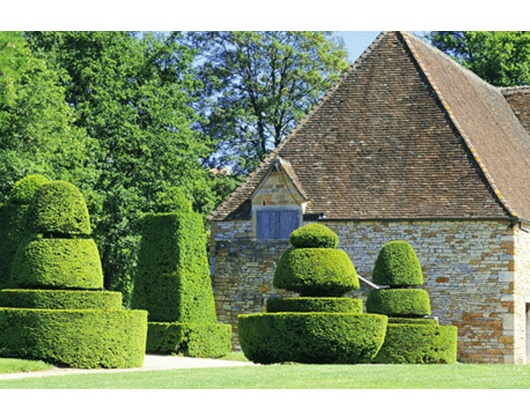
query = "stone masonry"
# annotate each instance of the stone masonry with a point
(469, 270)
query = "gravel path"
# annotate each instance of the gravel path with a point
(151, 362)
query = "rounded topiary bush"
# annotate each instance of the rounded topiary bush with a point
(84, 339)
(397, 265)
(314, 235)
(24, 190)
(60, 299)
(311, 337)
(57, 263)
(399, 302)
(308, 304)
(316, 272)
(59, 209)
(419, 344)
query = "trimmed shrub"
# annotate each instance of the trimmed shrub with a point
(84, 339)
(24, 190)
(305, 304)
(399, 302)
(314, 235)
(60, 299)
(396, 320)
(57, 263)
(13, 221)
(419, 344)
(59, 209)
(189, 339)
(316, 272)
(311, 337)
(397, 265)
(173, 275)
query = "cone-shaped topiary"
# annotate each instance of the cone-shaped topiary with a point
(314, 235)
(59, 209)
(397, 265)
(319, 327)
(173, 284)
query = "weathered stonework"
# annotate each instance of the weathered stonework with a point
(476, 273)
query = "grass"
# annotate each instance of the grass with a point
(293, 376)
(17, 365)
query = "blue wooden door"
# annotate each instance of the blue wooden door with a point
(276, 224)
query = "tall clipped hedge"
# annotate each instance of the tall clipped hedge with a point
(13, 221)
(53, 312)
(173, 284)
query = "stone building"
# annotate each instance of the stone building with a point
(408, 145)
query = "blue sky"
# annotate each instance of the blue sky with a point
(356, 42)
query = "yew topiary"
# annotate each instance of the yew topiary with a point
(314, 235)
(397, 265)
(399, 302)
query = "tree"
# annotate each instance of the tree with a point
(130, 93)
(257, 85)
(500, 58)
(37, 131)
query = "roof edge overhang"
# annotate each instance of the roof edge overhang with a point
(451, 117)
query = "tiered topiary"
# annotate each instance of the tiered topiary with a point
(173, 284)
(54, 309)
(411, 337)
(13, 226)
(321, 326)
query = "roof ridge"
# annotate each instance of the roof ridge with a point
(447, 109)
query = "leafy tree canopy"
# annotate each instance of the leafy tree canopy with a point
(257, 85)
(500, 58)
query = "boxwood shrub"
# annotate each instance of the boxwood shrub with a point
(314, 235)
(60, 299)
(57, 263)
(59, 208)
(74, 338)
(173, 276)
(405, 302)
(189, 339)
(309, 304)
(397, 265)
(419, 344)
(425, 320)
(317, 337)
(316, 272)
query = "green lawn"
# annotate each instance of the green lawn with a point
(17, 365)
(293, 376)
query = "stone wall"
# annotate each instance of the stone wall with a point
(468, 268)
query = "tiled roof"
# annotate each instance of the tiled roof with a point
(406, 134)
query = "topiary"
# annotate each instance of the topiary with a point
(24, 190)
(314, 235)
(60, 299)
(399, 302)
(316, 272)
(59, 209)
(397, 265)
(310, 304)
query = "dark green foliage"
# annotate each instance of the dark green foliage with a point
(173, 276)
(189, 339)
(60, 299)
(307, 304)
(314, 235)
(75, 338)
(316, 272)
(13, 221)
(420, 344)
(57, 263)
(311, 337)
(24, 190)
(399, 302)
(59, 208)
(397, 320)
(397, 265)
